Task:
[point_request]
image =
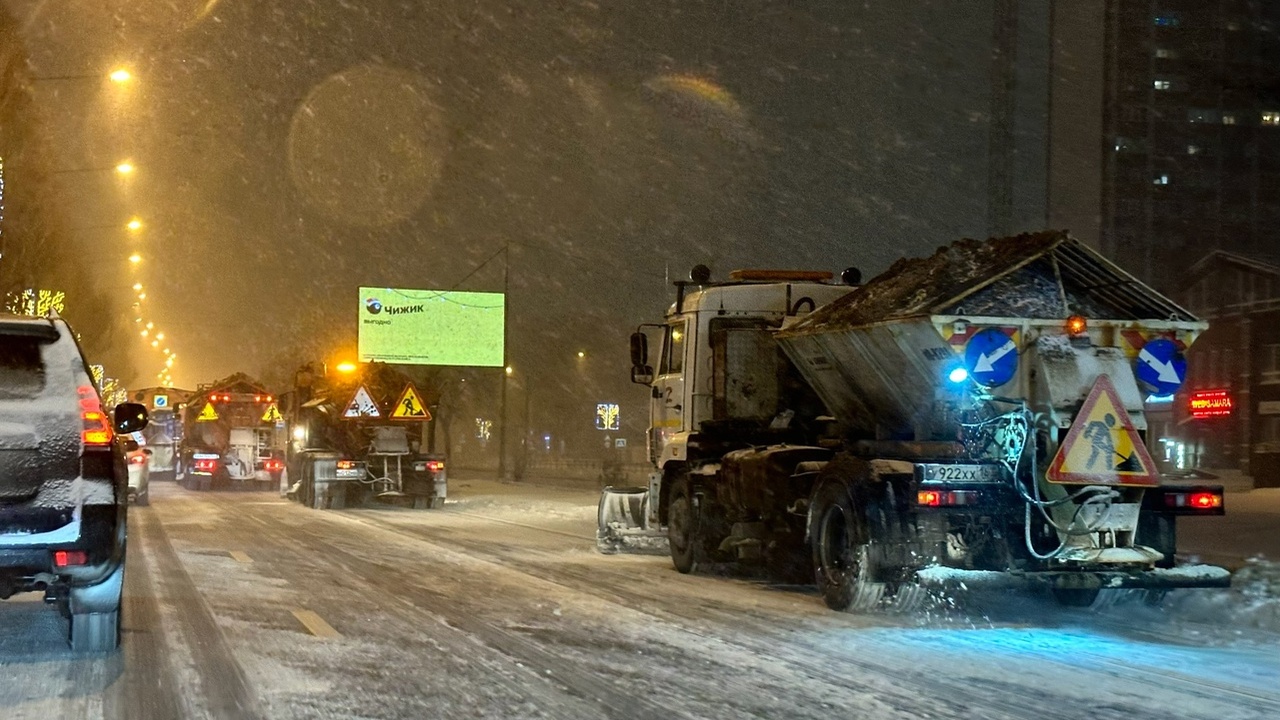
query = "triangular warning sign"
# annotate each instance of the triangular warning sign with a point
(410, 405)
(208, 414)
(362, 405)
(272, 414)
(1102, 446)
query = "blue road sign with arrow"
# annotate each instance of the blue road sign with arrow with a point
(1161, 366)
(991, 357)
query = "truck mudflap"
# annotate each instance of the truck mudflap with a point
(622, 523)
(1183, 576)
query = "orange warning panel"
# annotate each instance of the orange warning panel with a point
(1103, 447)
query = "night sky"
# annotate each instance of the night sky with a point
(291, 152)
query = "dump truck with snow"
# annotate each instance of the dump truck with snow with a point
(357, 438)
(232, 437)
(972, 417)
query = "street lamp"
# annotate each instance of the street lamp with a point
(134, 225)
(124, 168)
(120, 75)
(346, 367)
(135, 258)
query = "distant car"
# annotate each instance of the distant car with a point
(140, 475)
(63, 480)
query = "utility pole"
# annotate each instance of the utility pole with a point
(506, 363)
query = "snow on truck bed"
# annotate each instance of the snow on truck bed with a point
(1025, 276)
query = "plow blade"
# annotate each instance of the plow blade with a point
(622, 523)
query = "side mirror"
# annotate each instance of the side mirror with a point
(639, 350)
(642, 375)
(129, 417)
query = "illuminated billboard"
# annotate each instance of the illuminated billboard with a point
(431, 327)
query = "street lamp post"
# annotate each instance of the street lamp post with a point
(506, 365)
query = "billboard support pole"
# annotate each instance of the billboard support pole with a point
(506, 363)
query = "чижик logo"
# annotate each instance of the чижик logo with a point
(373, 305)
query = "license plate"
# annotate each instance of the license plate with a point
(949, 473)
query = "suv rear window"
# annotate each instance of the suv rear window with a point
(21, 369)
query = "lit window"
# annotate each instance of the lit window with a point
(1194, 149)
(1271, 118)
(1161, 179)
(1162, 84)
(1228, 119)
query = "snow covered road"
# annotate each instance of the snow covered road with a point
(245, 605)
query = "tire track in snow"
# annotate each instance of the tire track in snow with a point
(963, 694)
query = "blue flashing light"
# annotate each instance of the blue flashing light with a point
(958, 375)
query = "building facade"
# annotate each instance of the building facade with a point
(1227, 415)
(1191, 117)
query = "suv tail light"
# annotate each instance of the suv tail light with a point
(206, 465)
(272, 465)
(67, 558)
(95, 430)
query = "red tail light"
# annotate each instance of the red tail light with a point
(435, 466)
(272, 465)
(206, 465)
(67, 558)
(1205, 500)
(946, 498)
(95, 430)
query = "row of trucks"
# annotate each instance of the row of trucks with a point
(333, 440)
(970, 419)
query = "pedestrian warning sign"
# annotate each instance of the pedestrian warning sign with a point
(208, 414)
(272, 415)
(1103, 446)
(410, 405)
(362, 405)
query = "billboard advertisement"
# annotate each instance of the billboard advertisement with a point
(431, 327)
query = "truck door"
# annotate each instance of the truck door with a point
(668, 411)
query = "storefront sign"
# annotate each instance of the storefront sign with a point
(1211, 404)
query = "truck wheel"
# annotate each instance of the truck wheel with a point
(683, 532)
(841, 560)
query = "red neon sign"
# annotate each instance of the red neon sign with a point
(1211, 404)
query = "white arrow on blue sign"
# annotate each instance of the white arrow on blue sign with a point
(1162, 368)
(991, 357)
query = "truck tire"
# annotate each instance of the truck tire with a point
(684, 532)
(840, 539)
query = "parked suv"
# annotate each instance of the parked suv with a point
(63, 480)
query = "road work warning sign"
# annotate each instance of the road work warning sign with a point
(410, 406)
(362, 405)
(208, 414)
(1102, 446)
(272, 415)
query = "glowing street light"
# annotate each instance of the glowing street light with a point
(581, 354)
(150, 325)
(135, 258)
(144, 333)
(509, 370)
(142, 296)
(160, 336)
(120, 75)
(137, 286)
(134, 225)
(346, 366)
(155, 343)
(124, 168)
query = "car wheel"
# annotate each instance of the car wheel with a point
(95, 614)
(95, 632)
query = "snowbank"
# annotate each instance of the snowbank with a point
(1252, 602)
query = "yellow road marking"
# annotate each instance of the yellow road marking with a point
(315, 624)
(240, 556)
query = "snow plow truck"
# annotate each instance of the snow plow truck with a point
(233, 436)
(357, 438)
(971, 418)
